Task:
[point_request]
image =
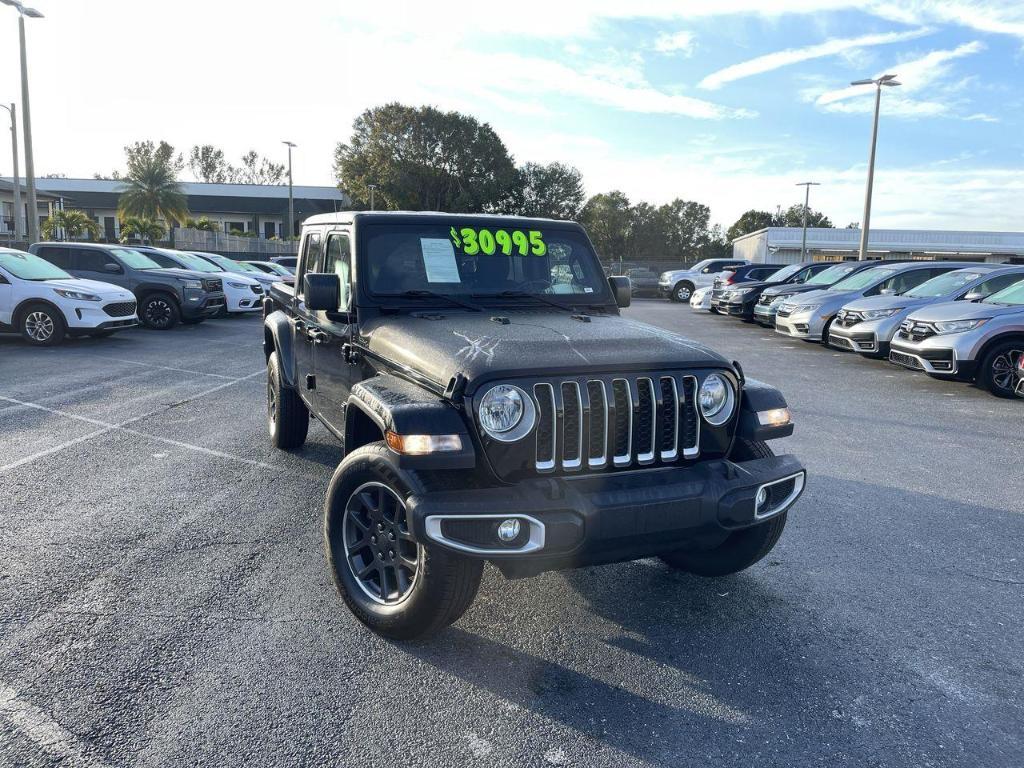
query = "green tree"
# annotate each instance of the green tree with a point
(151, 189)
(608, 218)
(256, 170)
(203, 224)
(421, 158)
(686, 226)
(207, 164)
(552, 191)
(72, 222)
(751, 221)
(647, 234)
(147, 230)
(793, 217)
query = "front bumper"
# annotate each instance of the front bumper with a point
(571, 522)
(856, 338)
(934, 357)
(740, 308)
(765, 314)
(198, 304)
(239, 300)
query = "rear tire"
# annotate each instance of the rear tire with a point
(287, 415)
(159, 312)
(682, 292)
(741, 549)
(395, 586)
(41, 325)
(998, 372)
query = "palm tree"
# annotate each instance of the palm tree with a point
(147, 230)
(73, 223)
(151, 191)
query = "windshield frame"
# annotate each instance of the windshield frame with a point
(601, 298)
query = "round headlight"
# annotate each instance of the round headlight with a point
(506, 413)
(716, 400)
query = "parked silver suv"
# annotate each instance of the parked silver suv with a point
(679, 284)
(868, 325)
(970, 341)
(809, 315)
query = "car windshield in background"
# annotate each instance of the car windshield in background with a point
(1012, 296)
(278, 269)
(225, 263)
(195, 263)
(784, 274)
(27, 266)
(832, 274)
(469, 259)
(942, 285)
(135, 259)
(863, 279)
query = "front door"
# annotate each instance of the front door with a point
(6, 300)
(335, 375)
(304, 321)
(91, 264)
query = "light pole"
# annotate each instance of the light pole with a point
(26, 116)
(886, 80)
(807, 200)
(291, 199)
(18, 231)
(372, 188)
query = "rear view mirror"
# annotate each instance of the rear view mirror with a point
(322, 291)
(113, 269)
(622, 289)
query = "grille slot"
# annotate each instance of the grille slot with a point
(669, 421)
(597, 454)
(690, 420)
(572, 426)
(622, 423)
(545, 395)
(644, 431)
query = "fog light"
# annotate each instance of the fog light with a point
(762, 498)
(508, 530)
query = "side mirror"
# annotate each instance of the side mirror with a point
(112, 268)
(974, 296)
(322, 291)
(887, 292)
(622, 289)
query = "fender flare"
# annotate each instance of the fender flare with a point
(758, 396)
(16, 314)
(277, 337)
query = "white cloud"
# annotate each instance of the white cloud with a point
(676, 42)
(982, 117)
(778, 59)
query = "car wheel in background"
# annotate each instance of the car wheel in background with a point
(740, 549)
(682, 292)
(159, 312)
(999, 369)
(42, 325)
(287, 415)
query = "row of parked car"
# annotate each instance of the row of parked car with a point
(57, 290)
(952, 320)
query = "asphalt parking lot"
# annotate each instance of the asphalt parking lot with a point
(164, 599)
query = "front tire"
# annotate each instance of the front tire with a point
(999, 369)
(41, 325)
(287, 415)
(159, 312)
(682, 292)
(395, 586)
(740, 549)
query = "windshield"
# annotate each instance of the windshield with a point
(943, 284)
(1012, 296)
(196, 264)
(499, 258)
(277, 269)
(134, 259)
(28, 266)
(784, 274)
(832, 274)
(226, 264)
(863, 279)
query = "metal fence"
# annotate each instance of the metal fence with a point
(200, 240)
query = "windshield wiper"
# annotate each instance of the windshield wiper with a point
(523, 295)
(421, 293)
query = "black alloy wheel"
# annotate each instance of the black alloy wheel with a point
(380, 550)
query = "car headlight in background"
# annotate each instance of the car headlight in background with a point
(959, 326)
(807, 308)
(879, 314)
(717, 400)
(238, 286)
(197, 284)
(76, 295)
(506, 413)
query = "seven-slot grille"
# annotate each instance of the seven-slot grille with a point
(120, 308)
(913, 330)
(617, 422)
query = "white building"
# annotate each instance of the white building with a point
(782, 245)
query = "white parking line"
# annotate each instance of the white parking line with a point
(46, 733)
(165, 367)
(122, 427)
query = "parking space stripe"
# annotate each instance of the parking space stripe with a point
(42, 730)
(166, 367)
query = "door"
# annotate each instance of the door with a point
(335, 375)
(303, 321)
(6, 300)
(91, 263)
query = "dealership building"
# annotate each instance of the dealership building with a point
(782, 245)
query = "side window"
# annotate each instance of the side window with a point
(59, 257)
(91, 260)
(163, 261)
(904, 282)
(309, 261)
(338, 259)
(997, 283)
(761, 274)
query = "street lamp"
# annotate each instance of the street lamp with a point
(807, 199)
(17, 181)
(291, 199)
(372, 188)
(26, 116)
(878, 82)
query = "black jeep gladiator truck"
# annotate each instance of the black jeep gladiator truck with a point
(494, 405)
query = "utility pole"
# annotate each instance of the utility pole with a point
(373, 189)
(807, 200)
(886, 80)
(18, 231)
(291, 198)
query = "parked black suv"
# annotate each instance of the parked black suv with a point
(165, 296)
(740, 300)
(495, 406)
(745, 273)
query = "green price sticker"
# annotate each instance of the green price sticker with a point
(472, 241)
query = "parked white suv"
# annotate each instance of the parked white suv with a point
(679, 284)
(241, 293)
(44, 303)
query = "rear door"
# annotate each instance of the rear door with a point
(334, 374)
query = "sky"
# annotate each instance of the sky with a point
(727, 102)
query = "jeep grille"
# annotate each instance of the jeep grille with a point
(617, 422)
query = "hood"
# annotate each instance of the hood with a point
(443, 344)
(97, 287)
(778, 290)
(888, 302)
(962, 310)
(238, 277)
